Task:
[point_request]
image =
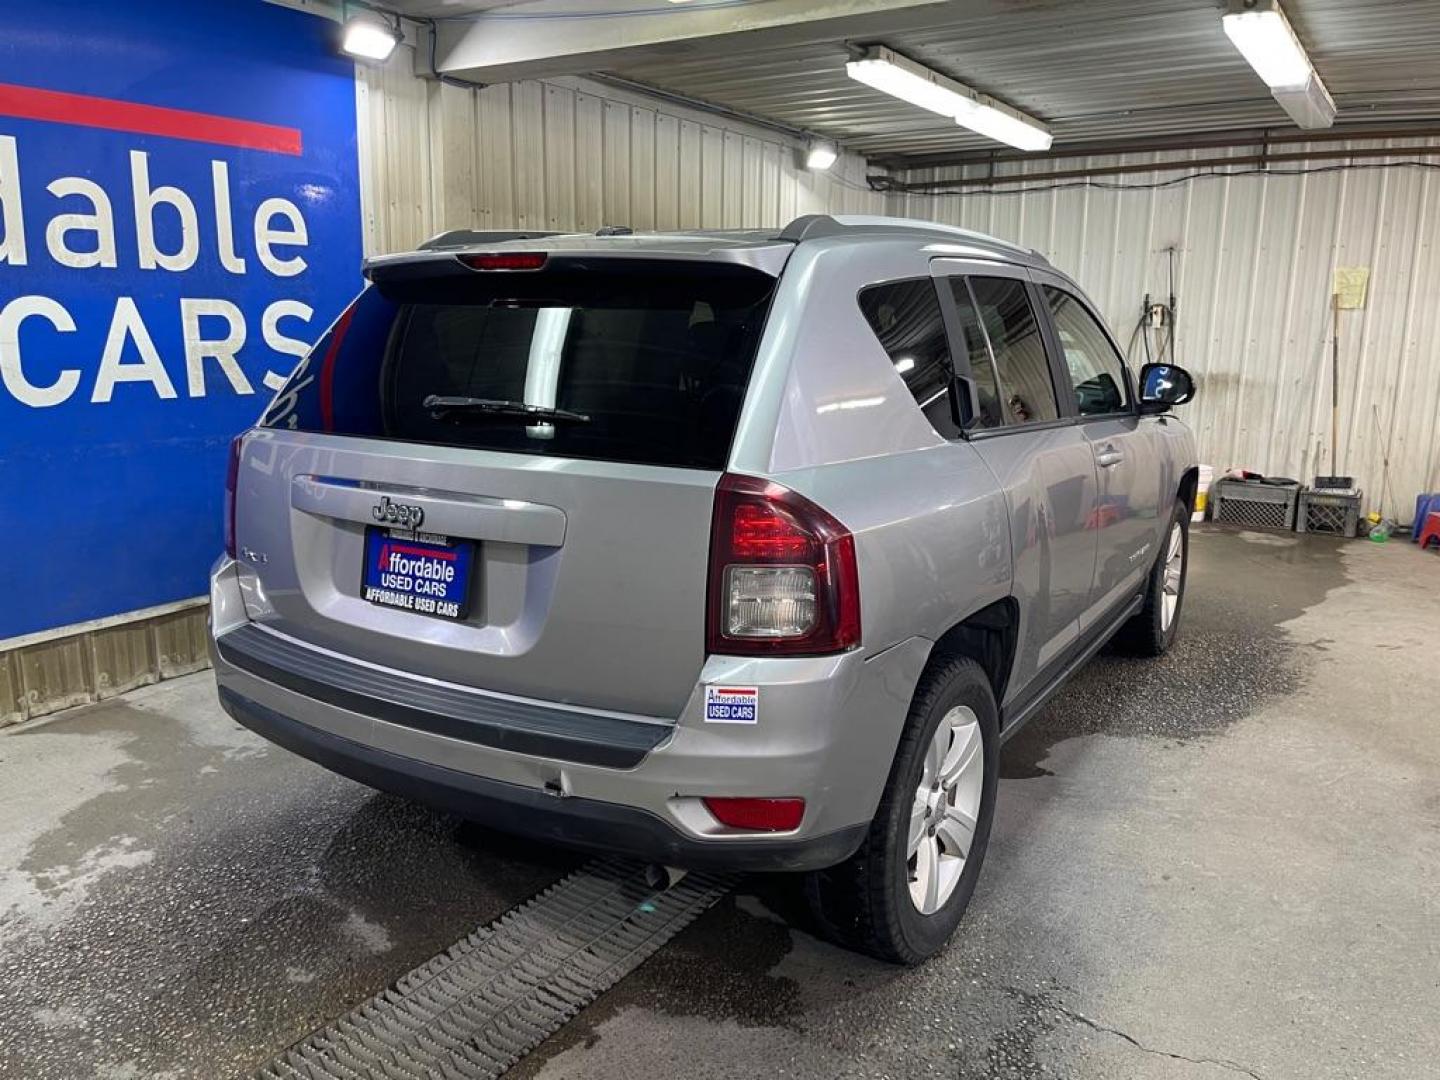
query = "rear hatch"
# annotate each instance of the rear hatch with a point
(500, 472)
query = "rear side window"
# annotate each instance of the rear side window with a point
(639, 363)
(905, 316)
(1026, 389)
(1096, 372)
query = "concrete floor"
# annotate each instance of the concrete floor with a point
(1226, 862)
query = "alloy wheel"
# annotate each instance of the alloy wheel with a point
(1174, 565)
(946, 809)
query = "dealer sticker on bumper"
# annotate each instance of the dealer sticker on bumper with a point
(732, 704)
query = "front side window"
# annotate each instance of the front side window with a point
(1096, 372)
(905, 316)
(990, 413)
(1026, 390)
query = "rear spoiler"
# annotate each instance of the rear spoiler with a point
(421, 265)
(465, 238)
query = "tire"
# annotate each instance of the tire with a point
(866, 902)
(1154, 627)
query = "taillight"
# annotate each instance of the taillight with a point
(783, 579)
(232, 479)
(506, 260)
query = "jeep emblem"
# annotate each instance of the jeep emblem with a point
(407, 517)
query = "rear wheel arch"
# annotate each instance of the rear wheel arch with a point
(869, 902)
(988, 636)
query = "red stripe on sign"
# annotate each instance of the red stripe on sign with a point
(30, 103)
(407, 549)
(327, 371)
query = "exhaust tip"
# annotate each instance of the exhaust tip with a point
(660, 878)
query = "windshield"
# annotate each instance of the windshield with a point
(655, 359)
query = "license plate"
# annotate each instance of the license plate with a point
(419, 572)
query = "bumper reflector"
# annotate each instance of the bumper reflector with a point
(757, 815)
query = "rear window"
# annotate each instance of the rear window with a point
(644, 363)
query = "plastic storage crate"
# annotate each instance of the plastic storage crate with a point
(1333, 512)
(1254, 505)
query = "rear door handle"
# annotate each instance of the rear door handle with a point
(446, 512)
(1107, 458)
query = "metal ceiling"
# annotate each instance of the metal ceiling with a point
(1094, 70)
(446, 9)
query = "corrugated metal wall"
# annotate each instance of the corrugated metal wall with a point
(1254, 254)
(572, 154)
(50, 671)
(1253, 268)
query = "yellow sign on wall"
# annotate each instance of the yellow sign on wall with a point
(1351, 284)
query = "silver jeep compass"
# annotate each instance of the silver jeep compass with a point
(733, 549)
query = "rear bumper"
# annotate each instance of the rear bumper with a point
(826, 732)
(565, 821)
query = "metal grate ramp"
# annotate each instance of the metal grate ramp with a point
(477, 1008)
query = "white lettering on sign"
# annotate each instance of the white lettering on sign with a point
(281, 343)
(146, 200)
(224, 229)
(732, 704)
(12, 243)
(11, 371)
(100, 220)
(80, 234)
(266, 235)
(222, 350)
(128, 326)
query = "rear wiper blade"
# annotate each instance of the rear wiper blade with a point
(469, 409)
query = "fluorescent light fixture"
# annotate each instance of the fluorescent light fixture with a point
(821, 156)
(1262, 34)
(1310, 106)
(905, 364)
(369, 37)
(901, 77)
(996, 121)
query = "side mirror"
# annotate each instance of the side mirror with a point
(1163, 386)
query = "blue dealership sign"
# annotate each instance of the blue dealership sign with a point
(179, 218)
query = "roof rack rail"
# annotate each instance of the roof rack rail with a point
(811, 227)
(816, 226)
(614, 230)
(460, 238)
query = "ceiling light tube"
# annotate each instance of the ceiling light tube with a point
(1310, 106)
(1259, 29)
(998, 121)
(1264, 37)
(369, 37)
(901, 77)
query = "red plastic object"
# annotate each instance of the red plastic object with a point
(760, 522)
(506, 260)
(761, 531)
(1431, 531)
(757, 815)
